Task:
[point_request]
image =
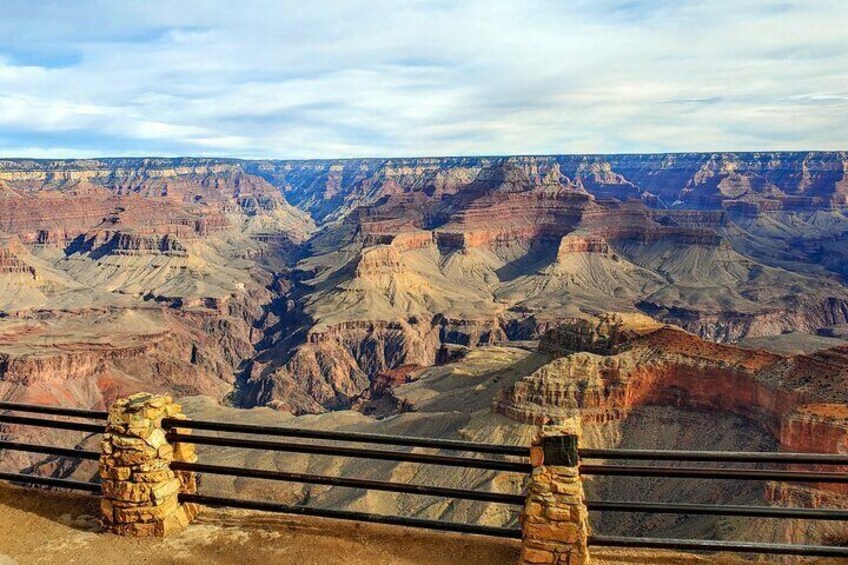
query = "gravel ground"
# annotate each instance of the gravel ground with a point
(56, 528)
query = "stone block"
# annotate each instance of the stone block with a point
(537, 556)
(560, 513)
(157, 476)
(127, 491)
(115, 473)
(184, 452)
(534, 509)
(145, 513)
(129, 457)
(107, 510)
(563, 532)
(128, 443)
(161, 491)
(152, 465)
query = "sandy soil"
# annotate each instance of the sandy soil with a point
(49, 527)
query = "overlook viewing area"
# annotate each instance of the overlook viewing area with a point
(148, 496)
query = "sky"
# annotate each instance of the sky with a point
(277, 79)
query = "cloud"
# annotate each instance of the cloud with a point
(342, 79)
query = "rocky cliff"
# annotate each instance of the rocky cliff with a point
(610, 367)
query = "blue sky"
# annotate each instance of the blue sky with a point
(274, 79)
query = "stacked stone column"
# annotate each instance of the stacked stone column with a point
(140, 491)
(555, 521)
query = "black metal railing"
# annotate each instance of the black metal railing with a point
(715, 473)
(715, 456)
(54, 424)
(356, 452)
(470, 455)
(70, 453)
(710, 545)
(367, 484)
(50, 450)
(474, 456)
(358, 437)
(50, 481)
(54, 410)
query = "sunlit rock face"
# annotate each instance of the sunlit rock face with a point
(609, 367)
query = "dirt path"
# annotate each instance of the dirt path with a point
(49, 527)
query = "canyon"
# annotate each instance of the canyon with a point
(470, 297)
(293, 284)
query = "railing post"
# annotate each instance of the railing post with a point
(555, 521)
(140, 491)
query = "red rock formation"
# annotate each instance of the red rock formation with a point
(815, 428)
(801, 400)
(135, 243)
(506, 204)
(62, 216)
(385, 380)
(762, 181)
(410, 240)
(515, 213)
(10, 262)
(94, 374)
(380, 260)
(575, 243)
(334, 366)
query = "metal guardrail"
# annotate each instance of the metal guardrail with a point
(462, 494)
(715, 473)
(715, 456)
(55, 424)
(708, 473)
(717, 510)
(50, 450)
(706, 545)
(54, 410)
(507, 465)
(376, 454)
(174, 425)
(357, 437)
(50, 482)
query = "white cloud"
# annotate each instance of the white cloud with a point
(335, 79)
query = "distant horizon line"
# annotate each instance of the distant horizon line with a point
(421, 157)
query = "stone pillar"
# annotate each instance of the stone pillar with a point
(139, 488)
(555, 522)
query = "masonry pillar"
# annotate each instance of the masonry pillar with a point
(139, 488)
(555, 522)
